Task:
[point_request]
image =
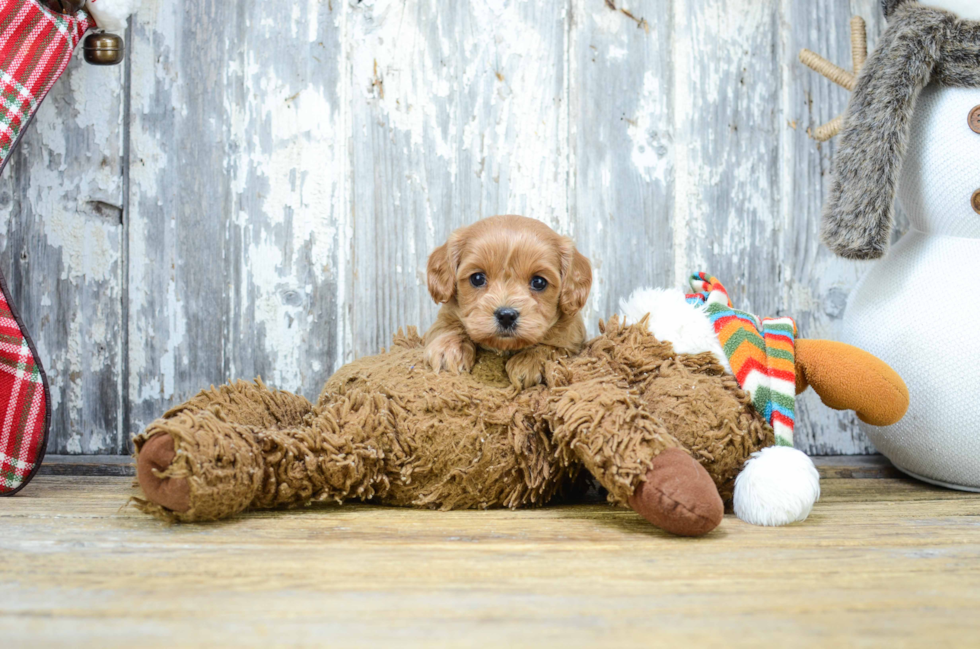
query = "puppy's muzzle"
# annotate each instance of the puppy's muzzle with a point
(506, 318)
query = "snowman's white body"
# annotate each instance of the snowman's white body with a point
(918, 309)
(965, 9)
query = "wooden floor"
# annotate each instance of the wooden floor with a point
(882, 561)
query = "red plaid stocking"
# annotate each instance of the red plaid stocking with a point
(24, 404)
(35, 47)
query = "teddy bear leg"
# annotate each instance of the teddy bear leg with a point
(250, 403)
(154, 459)
(678, 495)
(197, 466)
(631, 454)
(240, 403)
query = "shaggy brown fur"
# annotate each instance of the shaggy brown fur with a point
(388, 430)
(921, 44)
(514, 263)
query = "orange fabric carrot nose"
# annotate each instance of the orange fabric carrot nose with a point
(848, 378)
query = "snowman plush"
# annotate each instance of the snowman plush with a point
(912, 128)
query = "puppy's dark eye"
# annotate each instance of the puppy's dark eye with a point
(478, 279)
(538, 283)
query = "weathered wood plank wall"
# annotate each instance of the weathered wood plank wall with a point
(61, 250)
(257, 190)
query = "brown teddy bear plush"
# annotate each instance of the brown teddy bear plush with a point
(664, 432)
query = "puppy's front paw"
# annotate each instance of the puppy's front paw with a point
(450, 353)
(526, 369)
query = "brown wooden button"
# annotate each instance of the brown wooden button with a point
(976, 201)
(975, 119)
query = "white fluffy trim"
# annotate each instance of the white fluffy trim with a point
(674, 320)
(111, 15)
(777, 486)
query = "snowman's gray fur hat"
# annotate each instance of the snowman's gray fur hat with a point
(891, 5)
(921, 44)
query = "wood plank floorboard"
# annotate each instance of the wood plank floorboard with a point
(882, 561)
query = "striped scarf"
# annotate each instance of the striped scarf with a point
(761, 353)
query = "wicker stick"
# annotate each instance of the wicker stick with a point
(859, 42)
(828, 130)
(819, 64)
(840, 76)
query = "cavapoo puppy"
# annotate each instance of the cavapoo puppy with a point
(511, 284)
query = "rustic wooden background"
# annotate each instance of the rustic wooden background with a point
(256, 190)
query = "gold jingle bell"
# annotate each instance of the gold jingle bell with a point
(103, 49)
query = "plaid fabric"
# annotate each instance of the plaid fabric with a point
(35, 47)
(24, 414)
(761, 352)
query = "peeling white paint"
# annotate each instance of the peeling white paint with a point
(153, 80)
(277, 321)
(176, 329)
(651, 153)
(287, 142)
(406, 90)
(97, 98)
(90, 248)
(520, 131)
(681, 107)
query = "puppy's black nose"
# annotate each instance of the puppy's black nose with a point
(506, 317)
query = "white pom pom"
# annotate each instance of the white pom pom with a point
(777, 486)
(111, 15)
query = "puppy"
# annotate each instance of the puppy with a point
(511, 284)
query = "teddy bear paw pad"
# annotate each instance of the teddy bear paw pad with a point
(678, 495)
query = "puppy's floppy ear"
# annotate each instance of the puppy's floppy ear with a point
(441, 270)
(576, 278)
